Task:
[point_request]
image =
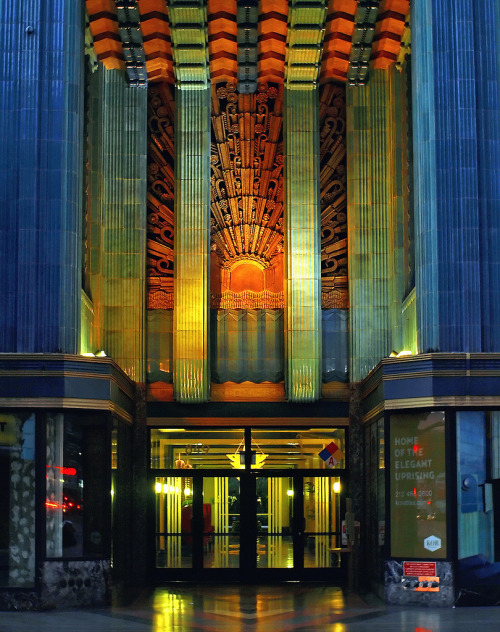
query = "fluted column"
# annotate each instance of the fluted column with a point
(192, 241)
(118, 218)
(302, 245)
(41, 96)
(457, 169)
(192, 201)
(374, 192)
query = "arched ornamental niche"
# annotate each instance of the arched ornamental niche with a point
(247, 213)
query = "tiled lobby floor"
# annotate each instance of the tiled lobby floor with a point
(234, 608)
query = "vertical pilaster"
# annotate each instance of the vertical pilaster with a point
(192, 243)
(457, 170)
(302, 245)
(192, 201)
(487, 79)
(374, 192)
(41, 88)
(118, 219)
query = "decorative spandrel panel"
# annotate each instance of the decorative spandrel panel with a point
(160, 246)
(334, 280)
(247, 198)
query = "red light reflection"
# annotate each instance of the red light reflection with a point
(68, 471)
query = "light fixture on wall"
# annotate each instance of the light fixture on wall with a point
(400, 354)
(100, 353)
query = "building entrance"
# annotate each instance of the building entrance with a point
(247, 522)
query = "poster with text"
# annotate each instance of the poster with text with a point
(418, 485)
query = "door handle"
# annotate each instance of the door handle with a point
(299, 528)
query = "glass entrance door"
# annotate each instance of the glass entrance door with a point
(197, 523)
(248, 525)
(275, 524)
(298, 523)
(236, 505)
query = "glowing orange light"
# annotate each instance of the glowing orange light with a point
(53, 505)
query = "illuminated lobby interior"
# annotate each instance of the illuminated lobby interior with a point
(250, 277)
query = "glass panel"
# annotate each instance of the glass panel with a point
(78, 514)
(322, 543)
(174, 513)
(418, 485)
(274, 522)
(17, 519)
(221, 522)
(495, 444)
(316, 448)
(196, 448)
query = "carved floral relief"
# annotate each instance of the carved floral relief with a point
(160, 203)
(334, 282)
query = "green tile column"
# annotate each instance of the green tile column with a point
(188, 19)
(302, 245)
(375, 177)
(117, 185)
(192, 244)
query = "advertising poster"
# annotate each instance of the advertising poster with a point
(418, 485)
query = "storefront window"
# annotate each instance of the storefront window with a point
(78, 484)
(298, 448)
(17, 500)
(196, 448)
(418, 485)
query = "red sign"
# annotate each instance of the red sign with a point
(416, 569)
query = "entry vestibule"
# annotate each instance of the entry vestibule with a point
(248, 503)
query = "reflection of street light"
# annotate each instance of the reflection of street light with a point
(158, 487)
(187, 491)
(289, 492)
(336, 487)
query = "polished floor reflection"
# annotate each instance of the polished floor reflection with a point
(235, 608)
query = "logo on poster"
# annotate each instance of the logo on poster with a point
(432, 543)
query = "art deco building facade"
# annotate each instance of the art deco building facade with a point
(250, 275)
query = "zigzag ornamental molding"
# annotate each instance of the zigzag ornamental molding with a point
(156, 37)
(306, 31)
(188, 25)
(247, 16)
(160, 239)
(334, 280)
(364, 31)
(248, 300)
(405, 48)
(337, 44)
(390, 30)
(129, 22)
(89, 45)
(222, 41)
(272, 31)
(103, 24)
